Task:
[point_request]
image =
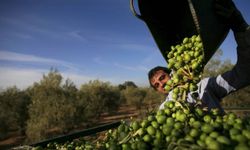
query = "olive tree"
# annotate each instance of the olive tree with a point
(52, 106)
(99, 97)
(134, 96)
(13, 110)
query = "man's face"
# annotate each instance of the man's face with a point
(159, 81)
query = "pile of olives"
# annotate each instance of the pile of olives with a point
(177, 126)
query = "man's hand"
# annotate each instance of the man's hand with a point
(228, 12)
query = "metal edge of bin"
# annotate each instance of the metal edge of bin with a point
(74, 135)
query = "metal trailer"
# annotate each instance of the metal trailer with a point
(77, 134)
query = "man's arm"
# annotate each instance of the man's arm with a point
(239, 77)
(236, 78)
(212, 90)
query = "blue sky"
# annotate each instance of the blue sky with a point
(84, 39)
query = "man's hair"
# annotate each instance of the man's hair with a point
(152, 72)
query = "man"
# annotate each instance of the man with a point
(212, 90)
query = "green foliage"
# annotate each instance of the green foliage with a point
(51, 106)
(134, 96)
(99, 97)
(13, 114)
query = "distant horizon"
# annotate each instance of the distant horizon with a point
(84, 40)
(78, 85)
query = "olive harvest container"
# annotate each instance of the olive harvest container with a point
(77, 134)
(170, 21)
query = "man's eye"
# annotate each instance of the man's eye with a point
(162, 77)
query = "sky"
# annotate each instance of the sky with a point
(83, 39)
